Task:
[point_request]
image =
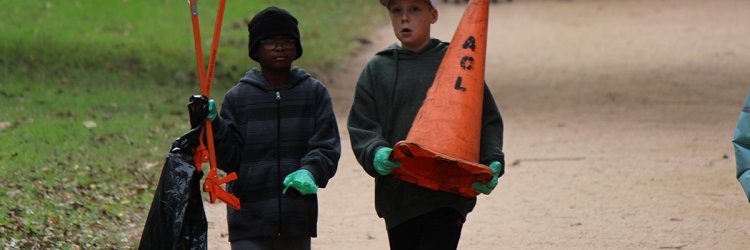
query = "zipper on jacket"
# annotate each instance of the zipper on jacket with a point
(278, 154)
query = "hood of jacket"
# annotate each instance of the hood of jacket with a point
(255, 78)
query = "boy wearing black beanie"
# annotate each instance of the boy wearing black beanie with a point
(278, 132)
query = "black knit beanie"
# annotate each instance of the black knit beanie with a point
(270, 22)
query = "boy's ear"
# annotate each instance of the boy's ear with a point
(434, 16)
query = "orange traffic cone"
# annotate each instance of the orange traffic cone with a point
(441, 150)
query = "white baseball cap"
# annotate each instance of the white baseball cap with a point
(385, 2)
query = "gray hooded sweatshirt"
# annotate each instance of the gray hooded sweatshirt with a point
(389, 93)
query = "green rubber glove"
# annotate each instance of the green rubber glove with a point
(302, 180)
(212, 111)
(486, 188)
(382, 164)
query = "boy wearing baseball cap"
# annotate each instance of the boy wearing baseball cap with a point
(389, 93)
(278, 132)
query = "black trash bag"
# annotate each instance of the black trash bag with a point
(177, 219)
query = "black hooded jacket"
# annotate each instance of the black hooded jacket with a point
(265, 134)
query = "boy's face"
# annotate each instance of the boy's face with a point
(276, 52)
(411, 20)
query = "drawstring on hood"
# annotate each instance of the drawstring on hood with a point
(397, 53)
(393, 92)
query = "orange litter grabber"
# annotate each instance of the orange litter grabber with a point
(205, 151)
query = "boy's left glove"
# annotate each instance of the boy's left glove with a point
(382, 163)
(302, 180)
(201, 108)
(486, 188)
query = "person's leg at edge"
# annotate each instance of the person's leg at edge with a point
(438, 229)
(259, 243)
(403, 236)
(276, 243)
(442, 230)
(292, 243)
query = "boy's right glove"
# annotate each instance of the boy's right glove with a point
(382, 164)
(486, 188)
(200, 108)
(302, 180)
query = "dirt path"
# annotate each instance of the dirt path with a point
(618, 115)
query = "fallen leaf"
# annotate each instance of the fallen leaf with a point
(4, 125)
(151, 164)
(89, 124)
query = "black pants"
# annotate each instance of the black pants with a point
(438, 229)
(273, 243)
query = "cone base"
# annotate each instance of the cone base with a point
(437, 171)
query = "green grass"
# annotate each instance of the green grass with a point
(92, 93)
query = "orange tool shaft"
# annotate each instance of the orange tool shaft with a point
(212, 182)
